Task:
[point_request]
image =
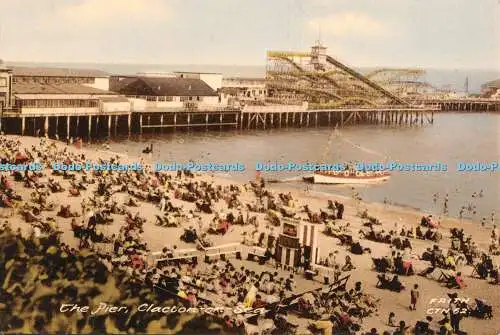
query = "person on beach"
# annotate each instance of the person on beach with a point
(454, 313)
(401, 329)
(391, 321)
(414, 295)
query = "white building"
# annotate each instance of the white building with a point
(245, 88)
(214, 80)
(163, 93)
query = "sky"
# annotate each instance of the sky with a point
(459, 34)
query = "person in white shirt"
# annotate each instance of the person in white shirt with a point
(163, 202)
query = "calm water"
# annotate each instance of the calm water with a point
(453, 138)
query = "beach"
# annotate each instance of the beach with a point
(390, 218)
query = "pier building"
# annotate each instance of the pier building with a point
(244, 89)
(5, 87)
(60, 76)
(156, 94)
(491, 89)
(60, 101)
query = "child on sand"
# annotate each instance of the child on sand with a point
(414, 297)
(391, 319)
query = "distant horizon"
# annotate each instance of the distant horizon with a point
(58, 64)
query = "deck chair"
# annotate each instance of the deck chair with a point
(478, 270)
(445, 277)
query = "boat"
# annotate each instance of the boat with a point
(347, 177)
(350, 175)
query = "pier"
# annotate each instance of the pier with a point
(264, 118)
(462, 105)
(107, 124)
(65, 125)
(186, 118)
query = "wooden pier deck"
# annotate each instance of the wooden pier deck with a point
(340, 116)
(462, 105)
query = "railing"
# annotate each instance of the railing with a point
(200, 109)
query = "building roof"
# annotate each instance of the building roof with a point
(168, 87)
(57, 72)
(36, 88)
(492, 84)
(117, 85)
(114, 99)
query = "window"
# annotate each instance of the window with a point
(3, 82)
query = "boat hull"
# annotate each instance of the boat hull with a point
(340, 179)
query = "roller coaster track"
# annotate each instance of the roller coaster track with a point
(306, 73)
(365, 80)
(407, 72)
(303, 89)
(407, 82)
(312, 77)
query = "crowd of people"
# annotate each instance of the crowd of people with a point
(42, 267)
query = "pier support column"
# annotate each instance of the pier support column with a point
(189, 119)
(161, 121)
(109, 125)
(175, 120)
(117, 117)
(286, 119)
(300, 119)
(272, 119)
(90, 126)
(46, 126)
(316, 120)
(220, 119)
(140, 124)
(23, 124)
(68, 118)
(280, 120)
(129, 123)
(293, 118)
(329, 118)
(341, 119)
(78, 125)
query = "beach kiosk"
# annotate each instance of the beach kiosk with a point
(297, 239)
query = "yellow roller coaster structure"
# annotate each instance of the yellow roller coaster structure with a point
(322, 80)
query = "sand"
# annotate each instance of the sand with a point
(159, 237)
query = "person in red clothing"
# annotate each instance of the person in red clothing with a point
(258, 303)
(459, 280)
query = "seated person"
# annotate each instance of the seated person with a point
(456, 281)
(395, 285)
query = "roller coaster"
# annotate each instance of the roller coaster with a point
(320, 79)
